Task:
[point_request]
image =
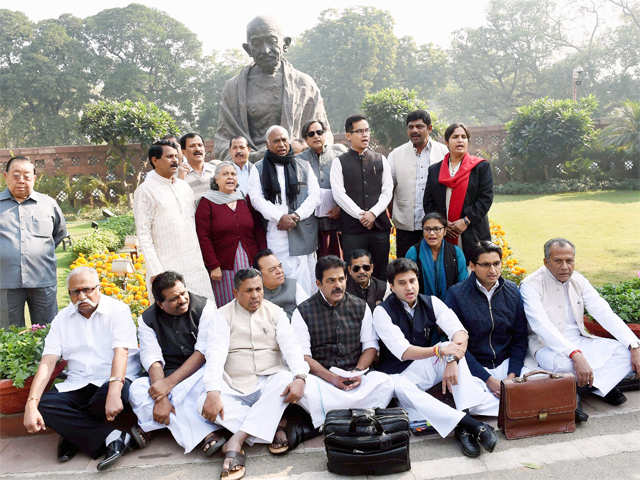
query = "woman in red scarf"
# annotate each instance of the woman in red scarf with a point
(460, 188)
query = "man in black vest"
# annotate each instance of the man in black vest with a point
(336, 333)
(173, 340)
(362, 186)
(360, 282)
(287, 293)
(405, 322)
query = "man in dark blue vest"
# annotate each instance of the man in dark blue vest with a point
(173, 340)
(405, 322)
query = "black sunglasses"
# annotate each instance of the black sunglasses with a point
(313, 133)
(356, 268)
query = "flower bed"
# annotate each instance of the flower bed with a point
(510, 268)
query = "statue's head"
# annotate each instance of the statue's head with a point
(265, 43)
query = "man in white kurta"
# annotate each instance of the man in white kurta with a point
(254, 368)
(555, 297)
(404, 322)
(289, 230)
(163, 209)
(173, 339)
(334, 329)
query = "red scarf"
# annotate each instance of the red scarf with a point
(458, 185)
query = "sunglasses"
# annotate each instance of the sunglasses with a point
(356, 268)
(313, 133)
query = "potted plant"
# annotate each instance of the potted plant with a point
(624, 299)
(20, 352)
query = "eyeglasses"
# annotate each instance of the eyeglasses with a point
(86, 291)
(356, 268)
(489, 264)
(433, 229)
(313, 133)
(361, 131)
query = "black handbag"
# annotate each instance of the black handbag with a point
(367, 441)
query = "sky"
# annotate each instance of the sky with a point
(221, 25)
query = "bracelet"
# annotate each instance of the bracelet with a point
(33, 398)
(573, 353)
(436, 351)
(116, 379)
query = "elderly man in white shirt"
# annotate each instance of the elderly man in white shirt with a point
(254, 369)
(555, 297)
(409, 164)
(173, 340)
(406, 323)
(285, 191)
(96, 335)
(335, 331)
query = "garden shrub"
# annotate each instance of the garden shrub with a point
(623, 298)
(97, 241)
(122, 226)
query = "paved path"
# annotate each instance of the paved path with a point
(607, 447)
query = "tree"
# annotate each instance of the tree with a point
(624, 131)
(546, 136)
(120, 123)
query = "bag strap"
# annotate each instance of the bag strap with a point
(365, 419)
(524, 377)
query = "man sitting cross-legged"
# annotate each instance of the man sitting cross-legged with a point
(335, 329)
(247, 383)
(405, 322)
(173, 334)
(96, 335)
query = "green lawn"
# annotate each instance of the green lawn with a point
(77, 230)
(605, 227)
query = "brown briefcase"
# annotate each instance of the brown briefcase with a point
(537, 405)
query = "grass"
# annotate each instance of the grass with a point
(77, 230)
(604, 226)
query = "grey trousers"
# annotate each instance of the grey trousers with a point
(42, 301)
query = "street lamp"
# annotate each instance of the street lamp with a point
(576, 79)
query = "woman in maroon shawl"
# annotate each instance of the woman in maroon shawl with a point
(460, 188)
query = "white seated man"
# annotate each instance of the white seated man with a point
(334, 329)
(173, 338)
(406, 323)
(248, 385)
(555, 298)
(287, 293)
(96, 335)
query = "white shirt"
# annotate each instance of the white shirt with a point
(150, 350)
(347, 204)
(200, 183)
(243, 176)
(394, 339)
(488, 293)
(301, 295)
(87, 343)
(368, 337)
(218, 349)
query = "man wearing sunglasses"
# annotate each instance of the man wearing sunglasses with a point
(320, 156)
(360, 282)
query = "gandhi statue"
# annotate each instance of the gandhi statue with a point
(269, 92)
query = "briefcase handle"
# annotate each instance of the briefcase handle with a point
(524, 377)
(369, 419)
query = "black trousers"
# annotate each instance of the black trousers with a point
(376, 242)
(405, 240)
(78, 416)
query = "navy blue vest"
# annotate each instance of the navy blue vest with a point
(418, 330)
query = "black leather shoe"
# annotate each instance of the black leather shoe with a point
(114, 451)
(467, 442)
(66, 450)
(581, 416)
(486, 437)
(615, 397)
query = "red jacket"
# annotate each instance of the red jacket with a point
(220, 229)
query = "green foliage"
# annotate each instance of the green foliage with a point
(624, 131)
(387, 111)
(583, 184)
(547, 136)
(98, 241)
(623, 298)
(20, 352)
(122, 226)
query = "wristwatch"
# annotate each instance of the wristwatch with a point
(634, 345)
(450, 358)
(467, 222)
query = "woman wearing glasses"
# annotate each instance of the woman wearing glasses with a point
(441, 264)
(460, 188)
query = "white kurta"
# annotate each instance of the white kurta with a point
(375, 389)
(186, 425)
(164, 214)
(301, 267)
(420, 375)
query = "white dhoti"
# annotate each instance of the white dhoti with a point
(257, 413)
(374, 391)
(186, 425)
(410, 386)
(301, 268)
(609, 359)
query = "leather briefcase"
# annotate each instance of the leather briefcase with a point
(532, 406)
(367, 441)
